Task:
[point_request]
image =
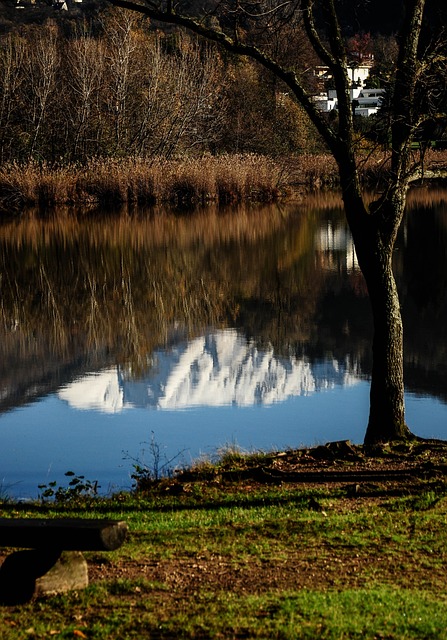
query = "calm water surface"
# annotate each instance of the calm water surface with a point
(249, 326)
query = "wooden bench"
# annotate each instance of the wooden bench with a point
(51, 559)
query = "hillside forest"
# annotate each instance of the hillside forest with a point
(110, 84)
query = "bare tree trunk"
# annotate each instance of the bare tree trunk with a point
(12, 61)
(387, 408)
(374, 231)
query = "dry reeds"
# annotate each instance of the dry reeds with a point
(114, 182)
(226, 179)
(36, 184)
(320, 171)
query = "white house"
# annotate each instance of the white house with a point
(325, 103)
(359, 74)
(367, 101)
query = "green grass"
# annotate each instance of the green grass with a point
(123, 612)
(254, 562)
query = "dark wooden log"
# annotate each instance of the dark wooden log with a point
(52, 561)
(70, 534)
(32, 573)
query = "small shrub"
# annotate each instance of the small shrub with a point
(78, 488)
(159, 466)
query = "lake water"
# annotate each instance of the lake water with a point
(248, 326)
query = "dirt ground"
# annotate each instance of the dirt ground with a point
(361, 478)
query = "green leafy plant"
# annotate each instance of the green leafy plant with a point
(78, 487)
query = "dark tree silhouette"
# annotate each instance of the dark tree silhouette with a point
(248, 29)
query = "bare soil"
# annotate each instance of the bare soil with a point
(358, 477)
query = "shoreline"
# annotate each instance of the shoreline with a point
(221, 558)
(183, 184)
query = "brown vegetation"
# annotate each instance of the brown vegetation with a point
(116, 88)
(91, 113)
(188, 182)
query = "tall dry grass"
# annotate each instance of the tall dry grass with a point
(321, 171)
(144, 181)
(36, 184)
(185, 183)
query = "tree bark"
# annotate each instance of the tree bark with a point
(387, 407)
(374, 237)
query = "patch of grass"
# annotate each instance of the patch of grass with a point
(381, 612)
(422, 502)
(214, 559)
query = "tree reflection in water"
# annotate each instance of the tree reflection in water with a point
(93, 292)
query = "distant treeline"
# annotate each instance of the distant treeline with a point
(118, 87)
(92, 110)
(110, 84)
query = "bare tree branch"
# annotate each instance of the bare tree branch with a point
(236, 46)
(313, 35)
